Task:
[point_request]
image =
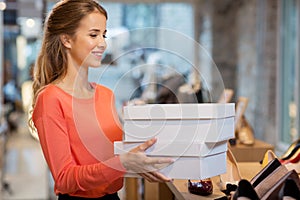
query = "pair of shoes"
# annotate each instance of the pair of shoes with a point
(229, 180)
(200, 187)
(274, 192)
(270, 156)
(245, 191)
(269, 181)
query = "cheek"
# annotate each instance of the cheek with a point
(86, 47)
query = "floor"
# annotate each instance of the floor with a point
(25, 174)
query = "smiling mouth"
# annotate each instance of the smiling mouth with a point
(97, 54)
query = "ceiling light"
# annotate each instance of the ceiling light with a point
(2, 5)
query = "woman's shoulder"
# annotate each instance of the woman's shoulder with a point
(101, 88)
(52, 92)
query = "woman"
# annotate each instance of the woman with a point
(76, 120)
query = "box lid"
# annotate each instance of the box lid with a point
(179, 111)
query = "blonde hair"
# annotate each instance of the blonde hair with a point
(51, 63)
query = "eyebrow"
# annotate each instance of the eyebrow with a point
(97, 30)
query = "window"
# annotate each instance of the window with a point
(289, 71)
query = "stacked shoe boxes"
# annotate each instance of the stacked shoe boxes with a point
(193, 135)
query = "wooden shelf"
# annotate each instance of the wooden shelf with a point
(254, 153)
(179, 187)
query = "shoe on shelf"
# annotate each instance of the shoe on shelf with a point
(268, 157)
(268, 177)
(200, 187)
(291, 150)
(245, 133)
(295, 158)
(265, 172)
(245, 191)
(229, 180)
(240, 109)
(274, 192)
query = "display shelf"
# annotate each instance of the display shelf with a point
(253, 153)
(180, 190)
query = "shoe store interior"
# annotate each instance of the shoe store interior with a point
(201, 56)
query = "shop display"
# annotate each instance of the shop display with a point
(274, 181)
(269, 181)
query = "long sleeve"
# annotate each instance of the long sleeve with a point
(74, 169)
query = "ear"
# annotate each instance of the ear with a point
(65, 39)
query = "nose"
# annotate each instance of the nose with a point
(102, 43)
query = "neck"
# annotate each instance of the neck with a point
(77, 78)
(76, 82)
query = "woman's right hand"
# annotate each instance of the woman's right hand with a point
(137, 161)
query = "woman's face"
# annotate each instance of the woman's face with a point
(88, 45)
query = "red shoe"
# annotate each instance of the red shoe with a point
(200, 187)
(294, 159)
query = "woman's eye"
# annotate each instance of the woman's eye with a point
(93, 35)
(104, 36)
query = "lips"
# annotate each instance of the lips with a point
(98, 54)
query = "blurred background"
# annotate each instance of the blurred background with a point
(248, 46)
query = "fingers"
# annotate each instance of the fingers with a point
(160, 177)
(155, 177)
(158, 160)
(149, 177)
(147, 144)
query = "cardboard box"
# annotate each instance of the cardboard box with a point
(193, 135)
(191, 161)
(201, 130)
(186, 167)
(175, 149)
(208, 122)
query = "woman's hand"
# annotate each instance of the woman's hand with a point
(137, 161)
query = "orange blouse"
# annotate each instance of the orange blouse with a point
(76, 136)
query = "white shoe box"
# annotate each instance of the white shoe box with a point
(196, 167)
(193, 135)
(207, 122)
(174, 148)
(191, 160)
(193, 167)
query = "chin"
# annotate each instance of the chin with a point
(95, 65)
